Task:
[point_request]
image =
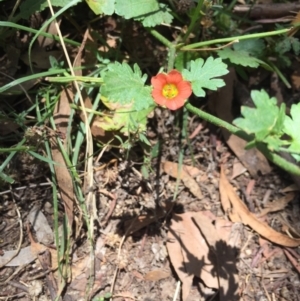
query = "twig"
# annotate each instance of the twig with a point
(176, 293)
(19, 285)
(25, 187)
(119, 253)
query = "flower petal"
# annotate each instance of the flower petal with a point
(159, 81)
(175, 104)
(174, 77)
(185, 89)
(158, 97)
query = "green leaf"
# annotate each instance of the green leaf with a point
(265, 121)
(254, 47)
(136, 8)
(126, 87)
(202, 75)
(239, 57)
(6, 178)
(295, 45)
(292, 128)
(278, 127)
(28, 7)
(126, 120)
(133, 122)
(99, 7)
(163, 15)
(183, 59)
(283, 46)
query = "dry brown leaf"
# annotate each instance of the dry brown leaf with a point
(290, 188)
(220, 103)
(157, 275)
(64, 180)
(238, 212)
(189, 252)
(191, 171)
(171, 169)
(277, 204)
(39, 55)
(51, 28)
(218, 236)
(226, 204)
(37, 248)
(238, 169)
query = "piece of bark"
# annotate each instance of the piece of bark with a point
(267, 11)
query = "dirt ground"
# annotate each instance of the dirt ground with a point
(226, 227)
(132, 256)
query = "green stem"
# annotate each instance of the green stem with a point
(15, 149)
(196, 16)
(44, 34)
(67, 78)
(166, 42)
(279, 73)
(227, 40)
(171, 60)
(218, 122)
(160, 37)
(279, 161)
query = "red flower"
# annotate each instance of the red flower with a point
(170, 90)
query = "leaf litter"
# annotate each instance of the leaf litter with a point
(198, 248)
(211, 255)
(203, 246)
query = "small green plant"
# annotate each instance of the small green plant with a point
(124, 96)
(269, 124)
(125, 92)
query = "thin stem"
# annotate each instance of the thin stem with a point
(42, 33)
(245, 37)
(279, 161)
(218, 122)
(196, 16)
(160, 37)
(15, 149)
(279, 73)
(171, 60)
(183, 137)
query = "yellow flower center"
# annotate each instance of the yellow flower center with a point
(169, 91)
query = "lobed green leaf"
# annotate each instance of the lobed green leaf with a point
(239, 57)
(99, 7)
(292, 129)
(163, 15)
(136, 8)
(202, 75)
(126, 87)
